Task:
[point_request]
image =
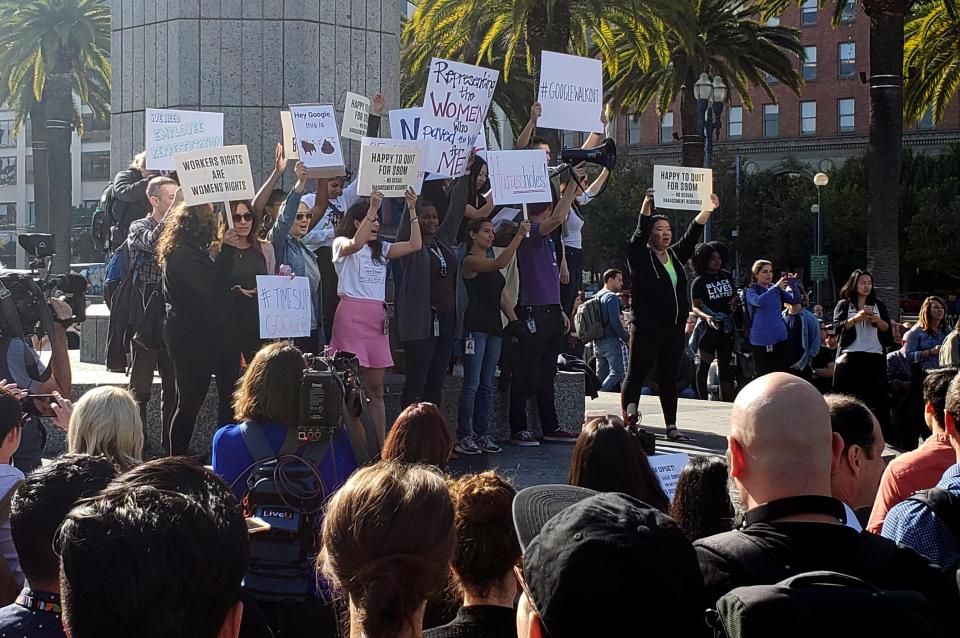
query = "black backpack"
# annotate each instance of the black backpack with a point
(947, 508)
(102, 219)
(285, 490)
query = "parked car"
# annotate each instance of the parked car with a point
(910, 302)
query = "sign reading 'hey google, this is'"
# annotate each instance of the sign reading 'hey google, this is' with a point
(171, 132)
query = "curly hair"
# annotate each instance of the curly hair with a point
(701, 504)
(192, 226)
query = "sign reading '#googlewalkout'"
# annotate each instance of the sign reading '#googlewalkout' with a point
(171, 132)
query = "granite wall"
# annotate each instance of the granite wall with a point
(247, 59)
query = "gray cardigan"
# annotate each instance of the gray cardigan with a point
(412, 296)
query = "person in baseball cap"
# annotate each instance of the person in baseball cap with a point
(603, 564)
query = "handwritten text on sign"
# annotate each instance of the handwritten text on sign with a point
(318, 139)
(356, 114)
(455, 106)
(682, 188)
(404, 145)
(519, 177)
(667, 467)
(405, 123)
(171, 132)
(571, 93)
(215, 175)
(390, 170)
(284, 305)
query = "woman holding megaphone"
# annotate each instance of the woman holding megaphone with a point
(660, 307)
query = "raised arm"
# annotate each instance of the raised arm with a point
(477, 263)
(378, 106)
(263, 195)
(562, 210)
(288, 214)
(321, 203)
(593, 189)
(523, 141)
(415, 243)
(127, 188)
(457, 207)
(594, 139)
(472, 212)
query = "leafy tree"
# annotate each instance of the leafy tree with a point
(931, 59)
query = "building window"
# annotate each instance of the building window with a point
(735, 122)
(808, 118)
(666, 128)
(8, 171)
(926, 122)
(846, 110)
(773, 21)
(847, 59)
(8, 215)
(771, 120)
(95, 129)
(29, 169)
(849, 12)
(95, 166)
(7, 139)
(808, 13)
(809, 63)
(633, 130)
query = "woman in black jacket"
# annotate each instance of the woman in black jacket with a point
(199, 303)
(660, 306)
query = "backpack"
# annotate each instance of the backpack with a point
(101, 221)
(742, 318)
(946, 506)
(285, 490)
(589, 319)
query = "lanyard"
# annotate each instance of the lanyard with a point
(438, 253)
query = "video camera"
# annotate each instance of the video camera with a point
(324, 393)
(73, 287)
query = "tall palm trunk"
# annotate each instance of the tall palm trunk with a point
(692, 153)
(41, 181)
(886, 140)
(58, 97)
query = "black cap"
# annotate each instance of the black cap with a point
(596, 564)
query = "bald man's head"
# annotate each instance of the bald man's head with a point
(781, 442)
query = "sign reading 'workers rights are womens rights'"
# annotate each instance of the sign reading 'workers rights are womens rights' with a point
(455, 106)
(215, 175)
(170, 132)
(571, 93)
(519, 177)
(682, 188)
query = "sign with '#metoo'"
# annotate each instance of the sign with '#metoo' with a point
(682, 188)
(519, 177)
(284, 305)
(455, 107)
(571, 93)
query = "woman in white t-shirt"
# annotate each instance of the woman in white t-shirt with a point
(361, 323)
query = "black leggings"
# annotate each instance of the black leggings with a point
(771, 358)
(714, 344)
(659, 344)
(864, 375)
(193, 363)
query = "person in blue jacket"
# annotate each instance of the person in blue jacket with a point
(609, 347)
(768, 332)
(803, 338)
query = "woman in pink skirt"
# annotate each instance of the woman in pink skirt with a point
(361, 325)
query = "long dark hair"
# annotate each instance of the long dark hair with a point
(474, 226)
(701, 504)
(190, 226)
(474, 198)
(346, 228)
(849, 290)
(608, 458)
(223, 227)
(419, 435)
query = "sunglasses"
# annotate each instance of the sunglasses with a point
(304, 215)
(243, 217)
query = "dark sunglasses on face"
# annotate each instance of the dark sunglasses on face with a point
(304, 215)
(243, 217)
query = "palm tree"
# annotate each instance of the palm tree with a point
(720, 37)
(887, 21)
(51, 51)
(931, 59)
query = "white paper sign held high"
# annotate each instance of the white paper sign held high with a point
(519, 177)
(215, 175)
(284, 305)
(289, 138)
(571, 93)
(395, 144)
(356, 114)
(170, 132)
(318, 139)
(389, 169)
(682, 188)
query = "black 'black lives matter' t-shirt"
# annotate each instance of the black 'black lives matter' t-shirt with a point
(714, 291)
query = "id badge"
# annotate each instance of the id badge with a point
(386, 324)
(469, 346)
(532, 325)
(769, 348)
(436, 326)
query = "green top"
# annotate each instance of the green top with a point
(671, 270)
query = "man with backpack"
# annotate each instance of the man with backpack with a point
(781, 453)
(130, 200)
(929, 521)
(600, 316)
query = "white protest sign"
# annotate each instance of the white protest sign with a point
(170, 132)
(215, 175)
(284, 305)
(682, 188)
(318, 140)
(356, 114)
(519, 177)
(667, 467)
(405, 123)
(289, 137)
(506, 216)
(571, 93)
(389, 169)
(398, 144)
(455, 106)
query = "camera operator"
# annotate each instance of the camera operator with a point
(22, 365)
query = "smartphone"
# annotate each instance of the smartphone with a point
(46, 398)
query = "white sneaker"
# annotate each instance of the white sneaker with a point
(466, 445)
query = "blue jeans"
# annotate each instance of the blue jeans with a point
(476, 394)
(610, 368)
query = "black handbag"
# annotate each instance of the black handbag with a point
(149, 333)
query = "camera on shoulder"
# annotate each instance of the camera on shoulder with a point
(325, 395)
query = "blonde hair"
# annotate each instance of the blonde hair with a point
(106, 422)
(758, 266)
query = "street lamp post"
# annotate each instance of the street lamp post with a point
(819, 180)
(710, 98)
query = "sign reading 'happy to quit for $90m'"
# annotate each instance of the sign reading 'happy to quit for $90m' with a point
(682, 188)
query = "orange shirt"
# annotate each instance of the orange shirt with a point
(920, 469)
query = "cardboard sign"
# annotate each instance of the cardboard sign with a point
(215, 175)
(397, 144)
(455, 107)
(571, 93)
(667, 467)
(318, 140)
(519, 177)
(356, 114)
(170, 132)
(284, 305)
(682, 188)
(389, 169)
(405, 123)
(289, 137)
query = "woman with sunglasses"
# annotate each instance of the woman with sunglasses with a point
(254, 257)
(287, 239)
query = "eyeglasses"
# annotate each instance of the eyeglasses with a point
(243, 217)
(304, 216)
